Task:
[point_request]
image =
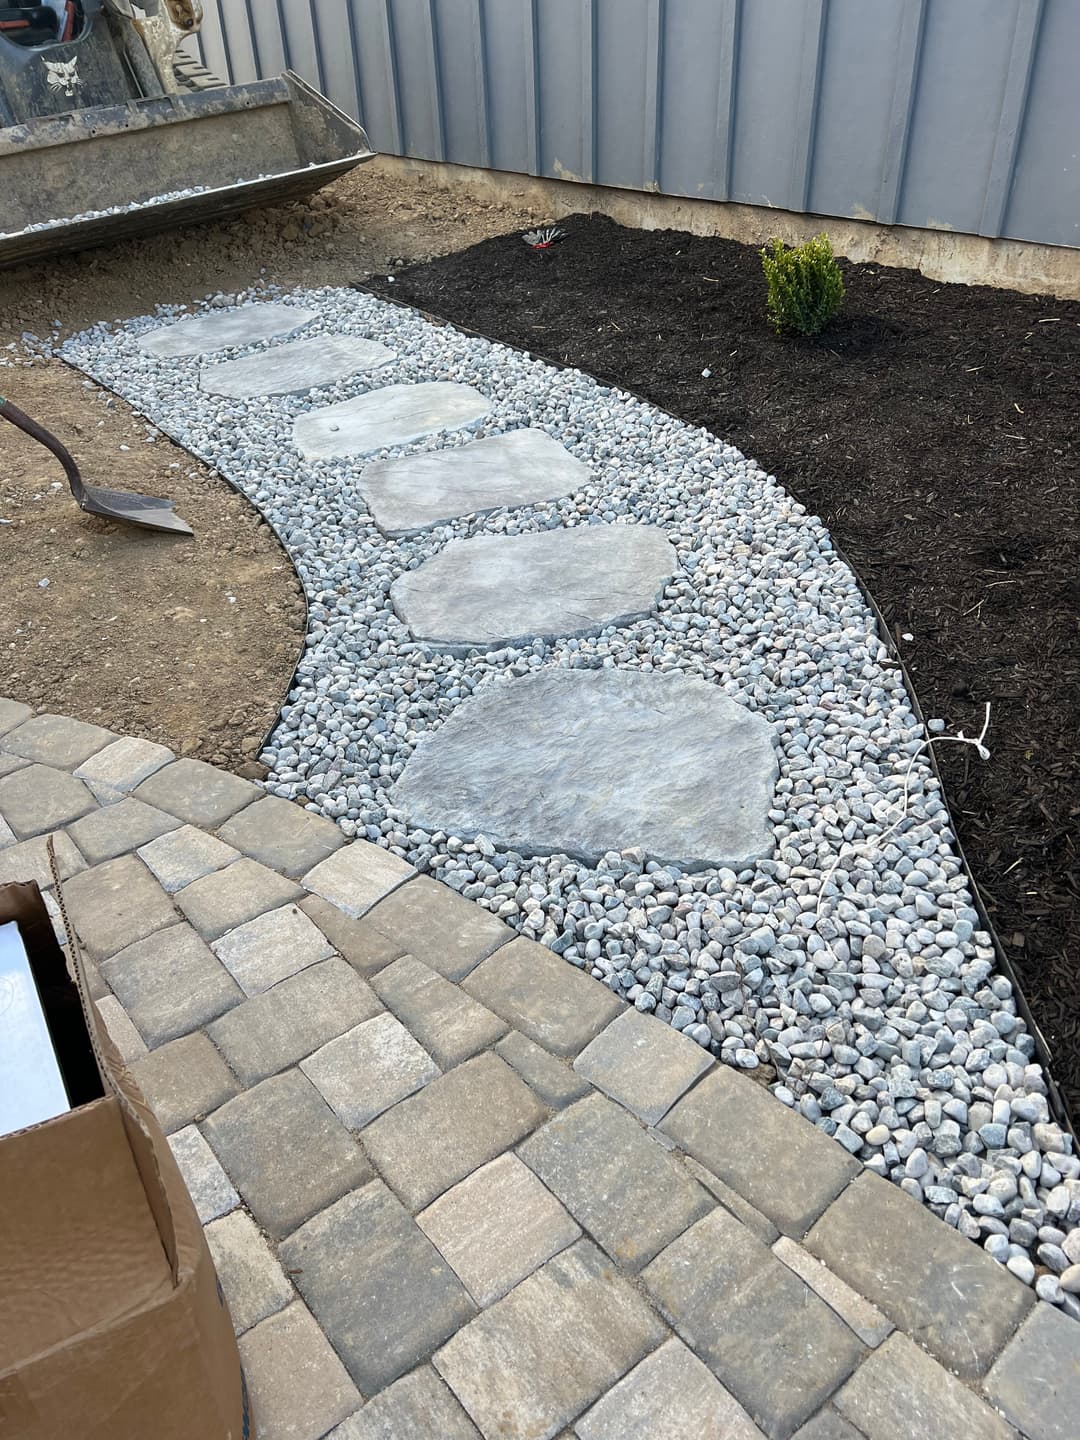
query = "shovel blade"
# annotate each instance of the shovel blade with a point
(145, 510)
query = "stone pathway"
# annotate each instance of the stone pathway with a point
(455, 1188)
(616, 795)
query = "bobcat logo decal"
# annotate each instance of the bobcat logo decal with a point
(64, 75)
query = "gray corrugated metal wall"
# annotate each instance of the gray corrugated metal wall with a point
(947, 114)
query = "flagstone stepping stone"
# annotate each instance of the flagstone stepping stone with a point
(395, 415)
(416, 492)
(582, 762)
(224, 329)
(293, 367)
(505, 589)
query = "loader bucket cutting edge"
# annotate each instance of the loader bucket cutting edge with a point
(161, 162)
(149, 511)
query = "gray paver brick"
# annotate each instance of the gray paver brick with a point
(366, 949)
(790, 1172)
(867, 1321)
(228, 898)
(115, 904)
(671, 1395)
(551, 1079)
(184, 1080)
(613, 1177)
(448, 1023)
(497, 1226)
(207, 1183)
(254, 1283)
(170, 983)
(734, 1204)
(900, 1386)
(368, 1069)
(283, 835)
(350, 1260)
(37, 798)
(184, 856)
(427, 1143)
(1036, 1379)
(444, 931)
(285, 1151)
(357, 876)
(299, 1388)
(12, 713)
(275, 1029)
(115, 829)
(122, 1032)
(735, 1304)
(56, 740)
(551, 1347)
(271, 947)
(29, 860)
(828, 1425)
(945, 1292)
(643, 1063)
(197, 793)
(541, 994)
(124, 764)
(417, 1405)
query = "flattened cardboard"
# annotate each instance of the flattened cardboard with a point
(113, 1325)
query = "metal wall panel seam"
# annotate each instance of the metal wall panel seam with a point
(438, 113)
(806, 105)
(654, 83)
(532, 88)
(354, 48)
(396, 126)
(908, 54)
(588, 91)
(230, 74)
(320, 68)
(1013, 109)
(727, 74)
(284, 32)
(480, 64)
(253, 38)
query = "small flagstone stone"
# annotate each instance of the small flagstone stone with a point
(222, 330)
(521, 467)
(507, 589)
(529, 764)
(296, 366)
(394, 415)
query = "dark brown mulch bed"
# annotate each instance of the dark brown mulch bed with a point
(935, 429)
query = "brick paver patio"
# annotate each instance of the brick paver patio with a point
(455, 1188)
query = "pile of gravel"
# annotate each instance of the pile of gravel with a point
(870, 996)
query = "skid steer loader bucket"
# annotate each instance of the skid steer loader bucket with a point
(107, 130)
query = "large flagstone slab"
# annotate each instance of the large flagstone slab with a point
(294, 367)
(582, 762)
(395, 415)
(503, 589)
(223, 329)
(523, 467)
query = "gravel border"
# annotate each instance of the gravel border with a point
(874, 999)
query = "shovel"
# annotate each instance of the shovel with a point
(144, 510)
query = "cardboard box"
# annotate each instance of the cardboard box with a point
(113, 1325)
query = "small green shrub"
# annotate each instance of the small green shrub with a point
(804, 284)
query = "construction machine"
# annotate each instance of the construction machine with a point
(108, 129)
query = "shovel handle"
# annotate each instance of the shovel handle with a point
(37, 432)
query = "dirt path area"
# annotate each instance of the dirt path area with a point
(188, 642)
(934, 428)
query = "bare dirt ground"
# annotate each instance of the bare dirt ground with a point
(188, 642)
